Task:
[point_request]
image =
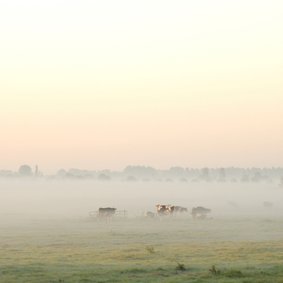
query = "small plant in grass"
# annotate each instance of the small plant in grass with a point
(233, 273)
(180, 266)
(213, 270)
(150, 249)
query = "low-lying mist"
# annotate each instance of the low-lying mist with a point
(64, 198)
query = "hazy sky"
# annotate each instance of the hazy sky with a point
(103, 84)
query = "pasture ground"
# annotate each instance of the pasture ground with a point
(244, 250)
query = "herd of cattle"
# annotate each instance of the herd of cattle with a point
(161, 210)
(197, 212)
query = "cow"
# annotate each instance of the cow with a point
(200, 212)
(164, 209)
(179, 209)
(106, 212)
(168, 209)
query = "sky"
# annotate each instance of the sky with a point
(105, 84)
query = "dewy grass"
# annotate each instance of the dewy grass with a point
(132, 251)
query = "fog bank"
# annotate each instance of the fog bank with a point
(42, 198)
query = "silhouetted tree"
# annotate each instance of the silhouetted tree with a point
(25, 170)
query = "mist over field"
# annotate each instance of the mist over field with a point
(50, 231)
(34, 198)
(141, 141)
(53, 227)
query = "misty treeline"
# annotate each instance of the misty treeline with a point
(147, 173)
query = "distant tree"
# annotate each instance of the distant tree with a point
(140, 171)
(6, 173)
(104, 177)
(204, 175)
(177, 171)
(75, 173)
(25, 170)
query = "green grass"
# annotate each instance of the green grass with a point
(172, 250)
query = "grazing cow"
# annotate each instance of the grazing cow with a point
(179, 209)
(164, 209)
(167, 209)
(200, 212)
(106, 212)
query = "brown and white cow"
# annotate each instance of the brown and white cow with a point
(164, 209)
(168, 209)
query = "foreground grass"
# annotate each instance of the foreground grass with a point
(77, 273)
(138, 251)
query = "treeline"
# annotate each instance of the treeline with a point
(147, 173)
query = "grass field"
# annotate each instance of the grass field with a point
(142, 250)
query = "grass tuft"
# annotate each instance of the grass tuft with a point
(214, 271)
(232, 273)
(180, 266)
(150, 249)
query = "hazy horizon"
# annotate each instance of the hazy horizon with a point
(108, 83)
(101, 169)
(88, 86)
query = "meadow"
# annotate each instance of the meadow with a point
(47, 235)
(142, 250)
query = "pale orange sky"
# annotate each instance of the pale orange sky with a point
(104, 84)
